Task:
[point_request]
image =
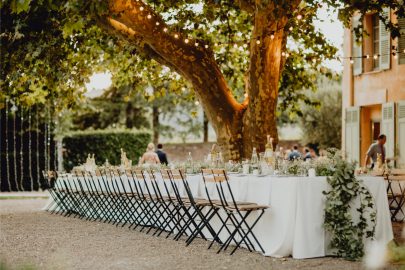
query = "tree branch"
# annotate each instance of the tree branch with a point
(137, 21)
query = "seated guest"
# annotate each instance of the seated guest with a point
(161, 154)
(149, 157)
(313, 153)
(307, 155)
(295, 154)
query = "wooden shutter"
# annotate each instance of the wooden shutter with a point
(401, 133)
(388, 127)
(401, 41)
(385, 44)
(357, 49)
(352, 134)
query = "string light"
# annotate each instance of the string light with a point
(272, 36)
(197, 103)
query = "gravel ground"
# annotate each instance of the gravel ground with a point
(29, 236)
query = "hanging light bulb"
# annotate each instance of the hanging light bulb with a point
(186, 41)
(157, 23)
(287, 55)
(272, 36)
(395, 55)
(245, 45)
(283, 54)
(246, 95)
(176, 36)
(165, 29)
(206, 46)
(368, 56)
(196, 44)
(149, 16)
(197, 103)
(141, 8)
(351, 60)
(291, 28)
(299, 17)
(375, 56)
(258, 42)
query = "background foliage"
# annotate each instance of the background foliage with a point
(104, 144)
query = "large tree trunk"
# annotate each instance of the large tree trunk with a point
(205, 128)
(239, 127)
(155, 124)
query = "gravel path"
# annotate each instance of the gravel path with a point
(46, 241)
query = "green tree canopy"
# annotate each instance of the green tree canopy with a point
(223, 49)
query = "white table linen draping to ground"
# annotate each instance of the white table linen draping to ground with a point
(293, 225)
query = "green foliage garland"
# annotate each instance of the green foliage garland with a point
(348, 234)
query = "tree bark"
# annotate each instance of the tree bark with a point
(239, 127)
(155, 124)
(205, 128)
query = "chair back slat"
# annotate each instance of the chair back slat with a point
(396, 177)
(397, 172)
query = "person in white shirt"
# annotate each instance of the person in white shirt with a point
(374, 149)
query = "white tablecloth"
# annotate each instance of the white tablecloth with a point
(293, 225)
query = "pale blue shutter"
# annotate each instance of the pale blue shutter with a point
(357, 49)
(352, 134)
(401, 133)
(385, 44)
(388, 127)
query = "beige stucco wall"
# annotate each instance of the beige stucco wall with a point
(369, 88)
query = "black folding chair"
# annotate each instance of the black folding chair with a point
(396, 193)
(236, 212)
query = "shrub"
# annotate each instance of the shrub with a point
(104, 144)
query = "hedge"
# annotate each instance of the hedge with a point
(104, 144)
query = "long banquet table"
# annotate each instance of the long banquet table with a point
(293, 225)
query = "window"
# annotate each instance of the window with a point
(376, 41)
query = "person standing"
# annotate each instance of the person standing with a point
(374, 149)
(149, 157)
(161, 154)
